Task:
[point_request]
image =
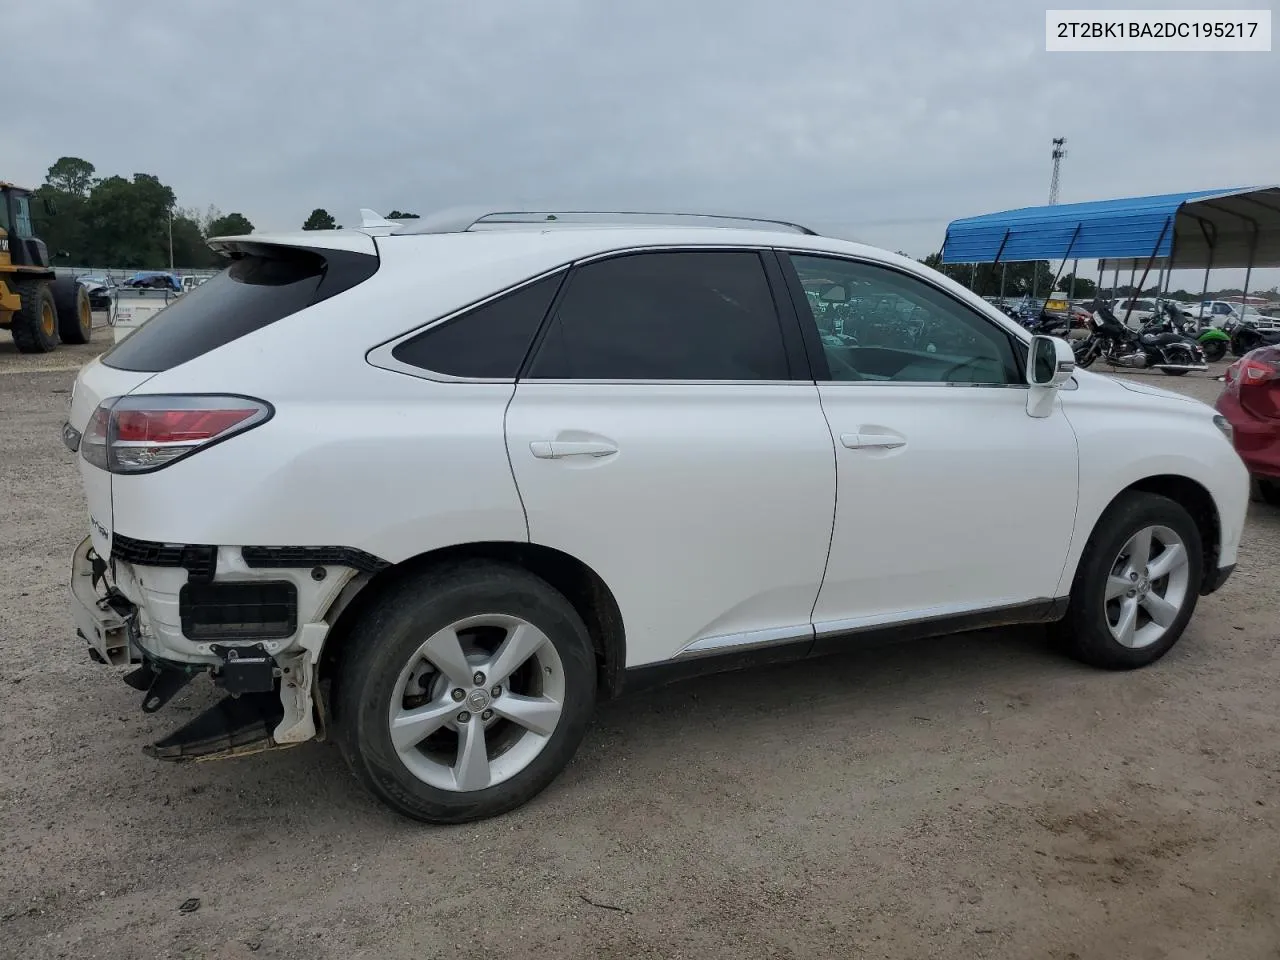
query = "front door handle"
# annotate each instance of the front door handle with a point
(883, 441)
(559, 449)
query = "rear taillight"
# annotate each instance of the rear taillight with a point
(139, 434)
(1255, 379)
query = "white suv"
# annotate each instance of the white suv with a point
(431, 490)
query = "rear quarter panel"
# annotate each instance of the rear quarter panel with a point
(1125, 437)
(354, 456)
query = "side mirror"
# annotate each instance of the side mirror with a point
(1050, 364)
(834, 294)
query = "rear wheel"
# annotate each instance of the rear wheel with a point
(35, 324)
(1269, 490)
(1169, 372)
(75, 315)
(464, 692)
(1137, 584)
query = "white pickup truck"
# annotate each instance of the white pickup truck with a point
(1219, 312)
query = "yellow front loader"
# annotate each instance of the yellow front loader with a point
(38, 308)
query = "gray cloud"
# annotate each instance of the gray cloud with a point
(882, 120)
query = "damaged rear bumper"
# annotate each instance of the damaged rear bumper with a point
(271, 685)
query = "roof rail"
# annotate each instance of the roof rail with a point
(462, 219)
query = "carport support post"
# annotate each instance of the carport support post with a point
(1147, 269)
(1003, 266)
(973, 277)
(1075, 269)
(1248, 271)
(1115, 281)
(1058, 276)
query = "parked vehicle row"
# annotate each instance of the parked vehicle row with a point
(1122, 347)
(551, 464)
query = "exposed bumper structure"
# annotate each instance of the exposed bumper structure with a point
(257, 631)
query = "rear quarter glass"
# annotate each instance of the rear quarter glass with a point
(262, 285)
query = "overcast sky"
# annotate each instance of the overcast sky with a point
(882, 121)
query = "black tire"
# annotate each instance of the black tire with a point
(1214, 350)
(35, 324)
(384, 640)
(1173, 373)
(75, 315)
(1084, 632)
(1269, 491)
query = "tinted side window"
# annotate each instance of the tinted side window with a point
(670, 315)
(878, 324)
(255, 291)
(489, 341)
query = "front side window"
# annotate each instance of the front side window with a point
(665, 315)
(878, 324)
(22, 217)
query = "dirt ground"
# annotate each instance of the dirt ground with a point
(974, 796)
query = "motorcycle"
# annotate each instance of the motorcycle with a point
(1244, 336)
(1213, 342)
(1117, 345)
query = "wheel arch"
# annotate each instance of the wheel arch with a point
(580, 585)
(1193, 496)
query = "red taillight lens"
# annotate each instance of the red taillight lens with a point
(139, 434)
(1256, 379)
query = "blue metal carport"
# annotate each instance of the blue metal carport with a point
(1203, 229)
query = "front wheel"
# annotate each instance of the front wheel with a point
(1214, 350)
(464, 692)
(1170, 372)
(1269, 491)
(1136, 586)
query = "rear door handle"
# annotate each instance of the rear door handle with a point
(559, 449)
(883, 441)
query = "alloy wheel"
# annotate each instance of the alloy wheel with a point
(477, 702)
(1147, 587)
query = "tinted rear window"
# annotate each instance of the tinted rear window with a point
(256, 290)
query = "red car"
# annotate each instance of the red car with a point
(1251, 403)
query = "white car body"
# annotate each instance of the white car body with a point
(1142, 312)
(719, 516)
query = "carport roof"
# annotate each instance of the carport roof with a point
(1205, 228)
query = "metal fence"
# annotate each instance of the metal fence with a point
(120, 275)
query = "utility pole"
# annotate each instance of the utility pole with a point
(1059, 151)
(171, 239)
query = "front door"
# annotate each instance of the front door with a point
(951, 500)
(664, 435)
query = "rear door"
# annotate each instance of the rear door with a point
(667, 433)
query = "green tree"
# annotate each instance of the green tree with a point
(401, 215)
(71, 175)
(320, 219)
(230, 225)
(190, 251)
(1084, 287)
(127, 222)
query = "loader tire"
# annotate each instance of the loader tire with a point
(35, 324)
(75, 316)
